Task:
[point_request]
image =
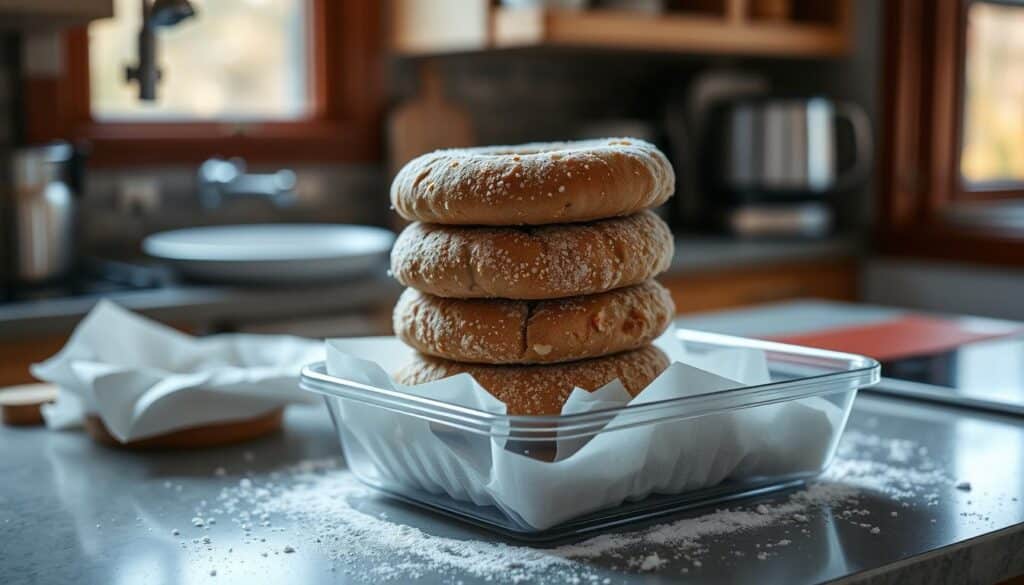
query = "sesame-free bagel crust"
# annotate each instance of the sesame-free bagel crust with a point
(541, 262)
(533, 184)
(501, 331)
(543, 389)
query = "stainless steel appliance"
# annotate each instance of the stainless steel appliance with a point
(40, 211)
(987, 374)
(774, 156)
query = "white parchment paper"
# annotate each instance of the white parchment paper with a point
(144, 379)
(586, 474)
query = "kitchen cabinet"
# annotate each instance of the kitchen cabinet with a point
(734, 287)
(778, 28)
(19, 354)
(49, 15)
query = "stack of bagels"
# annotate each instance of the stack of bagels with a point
(531, 268)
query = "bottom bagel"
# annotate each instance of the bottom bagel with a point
(543, 389)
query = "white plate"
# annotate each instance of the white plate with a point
(273, 253)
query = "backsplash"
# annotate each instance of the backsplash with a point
(121, 207)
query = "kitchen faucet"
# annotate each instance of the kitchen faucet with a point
(221, 179)
(161, 13)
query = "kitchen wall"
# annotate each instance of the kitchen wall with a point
(511, 97)
(945, 287)
(8, 95)
(522, 96)
(122, 206)
(9, 57)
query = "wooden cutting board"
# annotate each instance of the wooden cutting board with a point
(427, 122)
(902, 337)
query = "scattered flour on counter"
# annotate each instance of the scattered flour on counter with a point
(325, 508)
(651, 562)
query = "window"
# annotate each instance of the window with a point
(993, 108)
(268, 80)
(953, 162)
(245, 59)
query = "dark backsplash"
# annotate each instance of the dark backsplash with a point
(326, 193)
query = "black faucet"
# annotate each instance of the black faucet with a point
(159, 13)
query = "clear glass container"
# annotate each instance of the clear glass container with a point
(697, 450)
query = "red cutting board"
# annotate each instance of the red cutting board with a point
(902, 337)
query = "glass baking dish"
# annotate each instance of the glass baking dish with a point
(699, 450)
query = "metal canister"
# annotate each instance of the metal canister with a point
(41, 213)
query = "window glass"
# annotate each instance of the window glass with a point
(234, 60)
(993, 141)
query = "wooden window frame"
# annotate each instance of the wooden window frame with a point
(344, 125)
(920, 164)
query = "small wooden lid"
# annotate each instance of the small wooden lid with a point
(21, 405)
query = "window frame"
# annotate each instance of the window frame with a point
(344, 124)
(924, 90)
(982, 190)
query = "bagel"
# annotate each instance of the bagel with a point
(533, 184)
(500, 331)
(543, 389)
(545, 262)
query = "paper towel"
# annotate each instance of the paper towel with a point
(145, 379)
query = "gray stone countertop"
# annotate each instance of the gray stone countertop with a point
(203, 306)
(76, 512)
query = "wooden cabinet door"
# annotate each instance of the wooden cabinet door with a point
(19, 354)
(694, 292)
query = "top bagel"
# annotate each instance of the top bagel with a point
(533, 184)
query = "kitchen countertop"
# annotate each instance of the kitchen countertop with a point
(75, 512)
(790, 317)
(204, 306)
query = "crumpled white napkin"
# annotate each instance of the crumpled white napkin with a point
(787, 439)
(145, 379)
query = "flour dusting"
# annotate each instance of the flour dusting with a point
(329, 513)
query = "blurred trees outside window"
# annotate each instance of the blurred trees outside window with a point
(993, 116)
(237, 60)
